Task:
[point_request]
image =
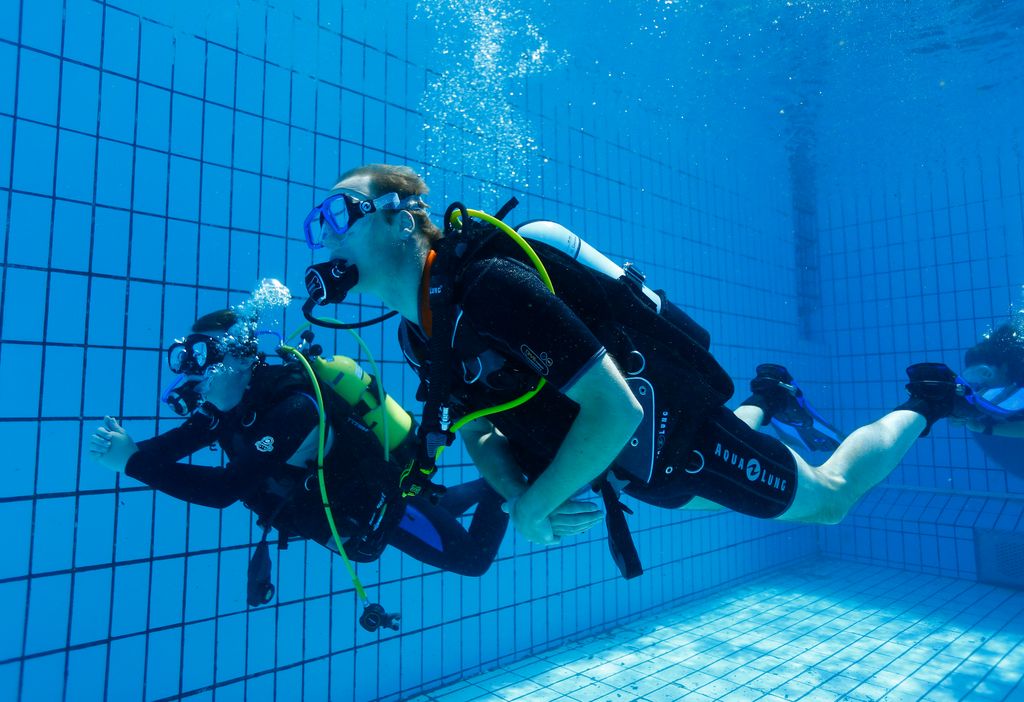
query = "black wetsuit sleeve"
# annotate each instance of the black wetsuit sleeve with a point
(508, 305)
(156, 464)
(271, 439)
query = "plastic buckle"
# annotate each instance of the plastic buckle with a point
(633, 275)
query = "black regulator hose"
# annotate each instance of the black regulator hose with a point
(307, 312)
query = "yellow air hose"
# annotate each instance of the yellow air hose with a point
(545, 278)
(321, 440)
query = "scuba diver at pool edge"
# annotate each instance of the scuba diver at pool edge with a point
(994, 369)
(594, 351)
(265, 417)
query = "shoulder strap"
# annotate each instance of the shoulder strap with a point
(435, 430)
(453, 252)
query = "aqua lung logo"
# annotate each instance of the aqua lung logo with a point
(265, 445)
(540, 362)
(663, 430)
(752, 467)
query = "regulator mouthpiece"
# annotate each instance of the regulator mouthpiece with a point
(330, 282)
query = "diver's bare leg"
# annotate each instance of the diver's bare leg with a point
(825, 494)
(752, 416)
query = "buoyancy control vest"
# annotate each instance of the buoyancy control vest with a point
(362, 486)
(662, 352)
(650, 337)
(658, 346)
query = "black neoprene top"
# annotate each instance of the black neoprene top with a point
(511, 330)
(258, 436)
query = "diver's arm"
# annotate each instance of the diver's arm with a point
(198, 485)
(608, 416)
(155, 462)
(489, 450)
(288, 432)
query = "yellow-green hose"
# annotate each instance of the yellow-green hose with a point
(321, 441)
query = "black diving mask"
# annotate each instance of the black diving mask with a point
(195, 354)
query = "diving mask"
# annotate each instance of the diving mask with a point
(339, 212)
(195, 354)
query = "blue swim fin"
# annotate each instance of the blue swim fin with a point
(791, 414)
(817, 436)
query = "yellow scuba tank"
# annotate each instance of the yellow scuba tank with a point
(360, 391)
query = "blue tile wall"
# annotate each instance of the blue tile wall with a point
(920, 266)
(156, 160)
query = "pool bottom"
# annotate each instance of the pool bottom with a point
(824, 630)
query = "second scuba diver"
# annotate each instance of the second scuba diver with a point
(591, 378)
(994, 369)
(266, 419)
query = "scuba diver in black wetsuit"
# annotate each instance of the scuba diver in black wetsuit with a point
(587, 377)
(266, 419)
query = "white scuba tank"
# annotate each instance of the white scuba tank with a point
(558, 237)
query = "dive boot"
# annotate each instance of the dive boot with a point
(936, 392)
(785, 406)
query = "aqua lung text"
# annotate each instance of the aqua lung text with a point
(755, 473)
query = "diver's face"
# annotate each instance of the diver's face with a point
(356, 244)
(224, 383)
(984, 376)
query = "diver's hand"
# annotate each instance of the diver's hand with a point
(111, 446)
(538, 531)
(575, 517)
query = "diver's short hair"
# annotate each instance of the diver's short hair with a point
(1003, 347)
(219, 321)
(404, 181)
(239, 334)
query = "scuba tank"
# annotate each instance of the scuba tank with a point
(558, 237)
(389, 423)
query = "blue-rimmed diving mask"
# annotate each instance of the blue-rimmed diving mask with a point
(331, 281)
(995, 404)
(338, 212)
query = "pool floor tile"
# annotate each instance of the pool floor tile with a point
(821, 632)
